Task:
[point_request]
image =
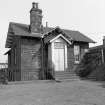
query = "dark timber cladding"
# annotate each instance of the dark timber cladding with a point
(32, 54)
(30, 58)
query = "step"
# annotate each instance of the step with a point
(65, 75)
(91, 77)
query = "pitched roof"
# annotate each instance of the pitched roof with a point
(77, 36)
(54, 33)
(24, 30)
(19, 30)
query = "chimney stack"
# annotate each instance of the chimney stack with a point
(35, 18)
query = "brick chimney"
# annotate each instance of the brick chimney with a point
(35, 18)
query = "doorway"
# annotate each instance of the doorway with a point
(59, 56)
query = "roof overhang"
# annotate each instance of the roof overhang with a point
(7, 52)
(10, 38)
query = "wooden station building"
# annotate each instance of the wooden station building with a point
(38, 52)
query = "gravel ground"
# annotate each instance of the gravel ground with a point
(76, 92)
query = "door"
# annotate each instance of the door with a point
(59, 56)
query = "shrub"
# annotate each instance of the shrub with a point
(99, 73)
(88, 64)
(3, 77)
(50, 71)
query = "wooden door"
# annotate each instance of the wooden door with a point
(59, 56)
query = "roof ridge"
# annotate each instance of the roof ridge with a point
(62, 29)
(15, 23)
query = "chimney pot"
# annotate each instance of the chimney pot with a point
(46, 24)
(35, 5)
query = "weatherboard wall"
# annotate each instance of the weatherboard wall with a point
(30, 58)
(14, 73)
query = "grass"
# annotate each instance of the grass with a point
(53, 93)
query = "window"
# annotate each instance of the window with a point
(85, 50)
(76, 53)
(58, 45)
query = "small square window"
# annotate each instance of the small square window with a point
(58, 45)
(77, 58)
(85, 50)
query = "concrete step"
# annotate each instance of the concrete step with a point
(65, 75)
(91, 77)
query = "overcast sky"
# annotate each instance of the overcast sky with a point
(86, 16)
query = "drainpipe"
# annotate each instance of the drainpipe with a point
(42, 50)
(103, 49)
(103, 40)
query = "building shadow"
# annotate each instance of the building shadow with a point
(50, 72)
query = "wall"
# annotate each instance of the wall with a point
(70, 57)
(14, 73)
(30, 58)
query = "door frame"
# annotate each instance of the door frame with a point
(51, 52)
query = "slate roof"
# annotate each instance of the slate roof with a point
(24, 30)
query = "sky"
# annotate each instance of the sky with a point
(86, 16)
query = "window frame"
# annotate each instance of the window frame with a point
(76, 54)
